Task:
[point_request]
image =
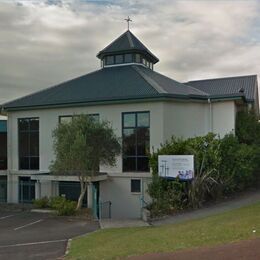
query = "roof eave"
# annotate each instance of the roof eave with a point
(158, 97)
(144, 98)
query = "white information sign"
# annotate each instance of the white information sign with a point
(173, 166)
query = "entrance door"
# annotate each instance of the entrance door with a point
(26, 190)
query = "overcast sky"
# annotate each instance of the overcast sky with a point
(45, 42)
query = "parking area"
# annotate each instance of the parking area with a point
(30, 235)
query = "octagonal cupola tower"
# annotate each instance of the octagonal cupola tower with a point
(127, 50)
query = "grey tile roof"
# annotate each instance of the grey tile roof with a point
(127, 42)
(228, 86)
(108, 84)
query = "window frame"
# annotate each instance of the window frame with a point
(29, 156)
(136, 156)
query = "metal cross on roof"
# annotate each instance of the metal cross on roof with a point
(128, 20)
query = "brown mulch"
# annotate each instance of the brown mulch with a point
(246, 250)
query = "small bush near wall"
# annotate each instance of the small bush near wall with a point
(60, 204)
(41, 203)
(222, 167)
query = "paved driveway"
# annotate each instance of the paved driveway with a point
(27, 235)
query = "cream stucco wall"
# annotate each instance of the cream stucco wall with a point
(49, 120)
(124, 203)
(223, 117)
(186, 119)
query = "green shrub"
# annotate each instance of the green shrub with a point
(64, 207)
(248, 127)
(68, 208)
(168, 196)
(56, 202)
(41, 203)
(238, 164)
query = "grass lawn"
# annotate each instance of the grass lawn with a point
(119, 243)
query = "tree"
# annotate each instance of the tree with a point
(80, 146)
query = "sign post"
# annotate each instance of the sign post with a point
(176, 166)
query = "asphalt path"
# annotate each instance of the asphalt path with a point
(30, 235)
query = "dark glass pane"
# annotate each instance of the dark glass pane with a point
(3, 189)
(129, 142)
(119, 58)
(24, 149)
(3, 151)
(26, 189)
(128, 58)
(24, 163)
(143, 141)
(143, 119)
(34, 144)
(71, 191)
(129, 164)
(23, 124)
(3, 144)
(3, 126)
(143, 164)
(135, 185)
(137, 58)
(129, 120)
(34, 124)
(109, 60)
(34, 163)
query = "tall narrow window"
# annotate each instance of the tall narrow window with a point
(110, 60)
(119, 59)
(28, 129)
(128, 58)
(136, 141)
(3, 145)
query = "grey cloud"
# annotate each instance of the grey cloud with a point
(44, 43)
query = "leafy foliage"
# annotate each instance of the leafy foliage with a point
(41, 203)
(222, 166)
(248, 127)
(60, 204)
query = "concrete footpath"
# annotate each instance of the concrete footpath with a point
(238, 202)
(120, 223)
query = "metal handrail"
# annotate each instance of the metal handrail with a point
(143, 201)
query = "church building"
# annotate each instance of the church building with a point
(144, 107)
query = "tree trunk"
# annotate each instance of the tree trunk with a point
(82, 194)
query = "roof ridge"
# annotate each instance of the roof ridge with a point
(232, 77)
(119, 37)
(150, 81)
(129, 37)
(202, 92)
